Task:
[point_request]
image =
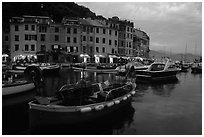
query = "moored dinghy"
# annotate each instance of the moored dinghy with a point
(82, 102)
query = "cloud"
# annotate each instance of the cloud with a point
(168, 23)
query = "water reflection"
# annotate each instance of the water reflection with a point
(164, 89)
(116, 123)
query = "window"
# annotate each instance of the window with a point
(128, 35)
(26, 36)
(75, 31)
(68, 30)
(26, 27)
(91, 29)
(42, 37)
(91, 38)
(76, 49)
(32, 48)
(97, 49)
(33, 27)
(129, 44)
(84, 28)
(16, 38)
(104, 50)
(42, 48)
(84, 38)
(68, 39)
(56, 37)
(68, 49)
(71, 49)
(116, 33)
(16, 47)
(91, 49)
(97, 40)
(110, 42)
(56, 29)
(128, 29)
(104, 40)
(16, 28)
(97, 30)
(112, 51)
(104, 31)
(6, 38)
(116, 43)
(110, 31)
(84, 49)
(42, 29)
(75, 40)
(26, 47)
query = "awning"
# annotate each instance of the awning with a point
(101, 56)
(84, 55)
(5, 55)
(113, 56)
(125, 57)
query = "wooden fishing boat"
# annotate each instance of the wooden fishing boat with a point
(95, 68)
(14, 87)
(157, 71)
(49, 68)
(80, 103)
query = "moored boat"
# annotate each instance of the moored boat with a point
(15, 87)
(80, 103)
(157, 71)
(95, 68)
(196, 68)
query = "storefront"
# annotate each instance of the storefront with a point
(100, 59)
(85, 58)
(113, 59)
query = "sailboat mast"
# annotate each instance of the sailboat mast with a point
(185, 52)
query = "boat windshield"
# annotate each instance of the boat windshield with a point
(157, 67)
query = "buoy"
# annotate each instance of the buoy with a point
(99, 107)
(110, 104)
(117, 101)
(128, 95)
(124, 98)
(133, 92)
(87, 109)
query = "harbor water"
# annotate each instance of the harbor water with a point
(164, 108)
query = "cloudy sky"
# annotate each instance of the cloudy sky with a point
(171, 26)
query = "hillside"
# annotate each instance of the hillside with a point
(179, 57)
(56, 10)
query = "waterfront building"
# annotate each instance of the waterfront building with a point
(75, 40)
(125, 37)
(72, 38)
(43, 38)
(23, 36)
(140, 43)
(5, 40)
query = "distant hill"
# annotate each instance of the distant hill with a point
(56, 10)
(179, 57)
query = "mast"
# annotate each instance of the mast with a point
(195, 48)
(185, 52)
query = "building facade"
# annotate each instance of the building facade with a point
(75, 39)
(140, 43)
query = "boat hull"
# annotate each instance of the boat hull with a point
(53, 115)
(155, 76)
(96, 70)
(17, 88)
(50, 70)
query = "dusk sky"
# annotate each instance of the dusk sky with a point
(170, 25)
